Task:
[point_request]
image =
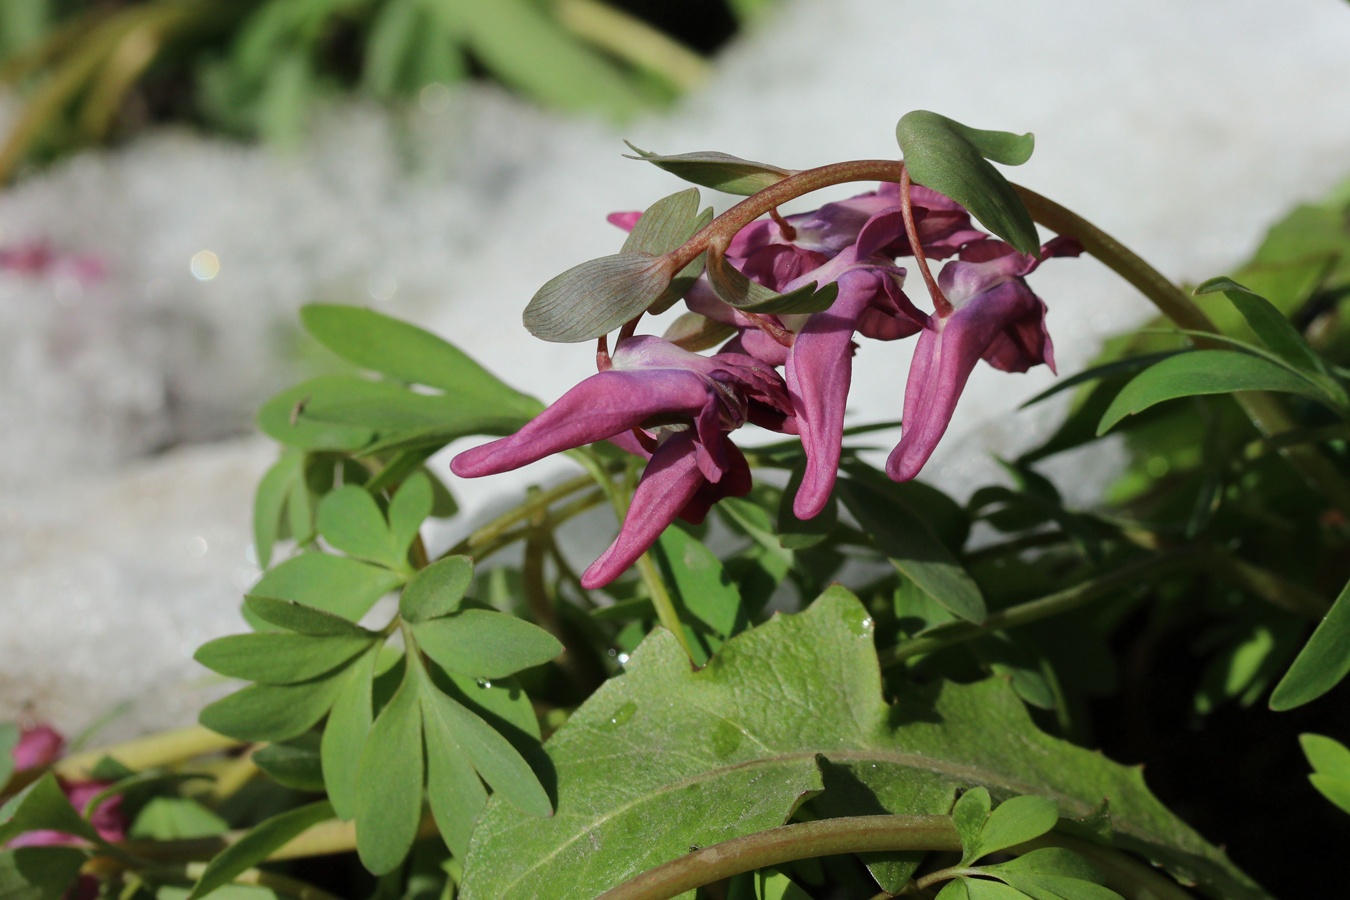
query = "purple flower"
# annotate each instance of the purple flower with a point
(656, 398)
(42, 745)
(39, 745)
(995, 317)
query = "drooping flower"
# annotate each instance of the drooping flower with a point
(656, 399)
(994, 317)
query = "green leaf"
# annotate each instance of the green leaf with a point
(301, 619)
(403, 351)
(39, 873)
(916, 552)
(295, 763)
(436, 590)
(1053, 873)
(978, 889)
(270, 501)
(454, 790)
(279, 657)
(969, 815)
(1337, 790)
(351, 521)
(665, 225)
(734, 288)
(1105, 370)
(282, 417)
(42, 806)
(482, 643)
(719, 171)
(596, 297)
(1322, 662)
(9, 739)
(500, 763)
(344, 735)
(333, 584)
(389, 782)
(773, 885)
(1201, 372)
(951, 159)
(254, 847)
(695, 333)
(1268, 322)
(700, 582)
(410, 507)
(735, 739)
(1016, 821)
(271, 712)
(1326, 755)
(176, 818)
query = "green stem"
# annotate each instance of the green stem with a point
(1263, 409)
(803, 840)
(1126, 576)
(503, 523)
(149, 752)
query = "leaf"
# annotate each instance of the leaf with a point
(773, 885)
(734, 288)
(271, 712)
(9, 739)
(260, 842)
(1201, 372)
(303, 619)
(694, 332)
(278, 657)
(455, 792)
(403, 351)
(270, 501)
(281, 419)
(333, 584)
(665, 225)
(719, 171)
(344, 735)
(295, 763)
(978, 889)
(950, 158)
(1053, 873)
(596, 297)
(701, 583)
(799, 534)
(1268, 322)
(436, 590)
(176, 818)
(483, 643)
(665, 757)
(1016, 821)
(968, 816)
(915, 551)
(410, 507)
(39, 873)
(351, 521)
(1105, 370)
(1322, 662)
(389, 782)
(42, 806)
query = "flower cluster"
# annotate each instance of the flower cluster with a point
(41, 745)
(677, 408)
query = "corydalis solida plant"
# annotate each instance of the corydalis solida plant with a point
(784, 293)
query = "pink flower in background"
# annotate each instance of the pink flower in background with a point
(37, 258)
(42, 745)
(39, 745)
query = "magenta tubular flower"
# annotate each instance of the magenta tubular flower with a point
(686, 404)
(995, 317)
(39, 745)
(42, 745)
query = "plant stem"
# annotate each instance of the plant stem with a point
(803, 840)
(1263, 409)
(1052, 604)
(498, 526)
(149, 752)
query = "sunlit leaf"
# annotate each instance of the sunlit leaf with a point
(279, 657)
(485, 644)
(389, 782)
(334, 584)
(436, 590)
(272, 712)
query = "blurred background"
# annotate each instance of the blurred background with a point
(180, 176)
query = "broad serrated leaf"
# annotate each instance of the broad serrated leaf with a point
(39, 873)
(333, 584)
(277, 657)
(719, 171)
(1202, 372)
(261, 840)
(344, 735)
(42, 806)
(295, 763)
(272, 712)
(403, 351)
(735, 289)
(916, 552)
(484, 643)
(1322, 662)
(301, 619)
(1016, 821)
(389, 782)
(409, 508)
(351, 521)
(734, 739)
(436, 590)
(596, 297)
(951, 159)
(270, 501)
